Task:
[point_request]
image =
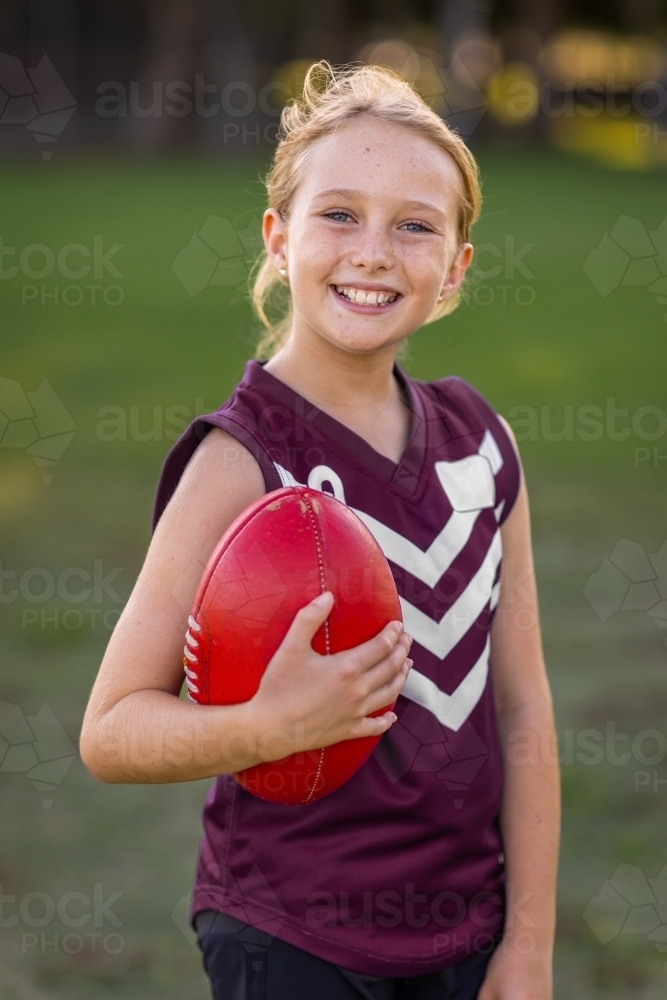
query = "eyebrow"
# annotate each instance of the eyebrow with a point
(353, 192)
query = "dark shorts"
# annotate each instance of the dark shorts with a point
(244, 963)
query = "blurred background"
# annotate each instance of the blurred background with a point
(133, 137)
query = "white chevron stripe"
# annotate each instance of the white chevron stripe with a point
(490, 450)
(427, 566)
(468, 483)
(441, 637)
(451, 710)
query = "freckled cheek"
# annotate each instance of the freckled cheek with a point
(425, 269)
(316, 257)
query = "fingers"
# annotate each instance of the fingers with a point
(387, 693)
(369, 653)
(375, 726)
(307, 621)
(384, 671)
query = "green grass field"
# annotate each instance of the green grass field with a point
(535, 335)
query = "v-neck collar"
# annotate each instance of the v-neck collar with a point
(404, 474)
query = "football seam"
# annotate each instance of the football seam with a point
(327, 639)
(320, 566)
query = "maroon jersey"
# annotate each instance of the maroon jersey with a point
(399, 872)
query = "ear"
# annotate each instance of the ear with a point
(275, 237)
(457, 271)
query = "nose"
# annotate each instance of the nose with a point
(373, 249)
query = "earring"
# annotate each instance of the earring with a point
(440, 297)
(282, 271)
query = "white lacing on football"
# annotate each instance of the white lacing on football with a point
(189, 656)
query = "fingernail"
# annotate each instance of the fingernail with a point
(409, 662)
(323, 599)
(398, 625)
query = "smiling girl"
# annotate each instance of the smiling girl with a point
(431, 873)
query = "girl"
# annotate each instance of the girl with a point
(431, 873)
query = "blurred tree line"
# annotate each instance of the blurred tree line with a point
(147, 44)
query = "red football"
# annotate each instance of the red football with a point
(279, 554)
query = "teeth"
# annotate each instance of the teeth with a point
(363, 298)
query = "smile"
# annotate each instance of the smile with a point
(365, 297)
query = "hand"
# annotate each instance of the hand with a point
(515, 974)
(307, 701)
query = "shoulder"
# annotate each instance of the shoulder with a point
(510, 433)
(220, 480)
(217, 485)
(223, 446)
(458, 399)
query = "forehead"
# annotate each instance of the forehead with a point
(381, 160)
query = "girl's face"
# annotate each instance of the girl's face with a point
(371, 241)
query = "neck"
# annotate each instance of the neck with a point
(332, 378)
(359, 390)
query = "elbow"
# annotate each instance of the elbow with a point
(90, 758)
(96, 759)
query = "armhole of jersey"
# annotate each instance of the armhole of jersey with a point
(486, 415)
(181, 453)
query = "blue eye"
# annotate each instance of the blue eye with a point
(416, 227)
(335, 216)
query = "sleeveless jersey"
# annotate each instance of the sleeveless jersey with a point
(399, 872)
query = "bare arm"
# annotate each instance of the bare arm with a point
(136, 727)
(530, 815)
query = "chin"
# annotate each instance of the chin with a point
(356, 342)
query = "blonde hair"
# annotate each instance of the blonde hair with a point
(331, 98)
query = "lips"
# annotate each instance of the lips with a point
(366, 296)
